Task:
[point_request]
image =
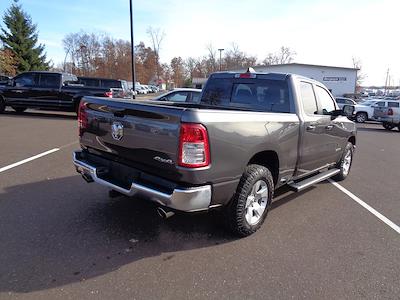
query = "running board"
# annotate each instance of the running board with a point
(306, 183)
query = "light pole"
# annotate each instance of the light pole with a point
(132, 48)
(220, 59)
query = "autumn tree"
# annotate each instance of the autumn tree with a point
(7, 63)
(178, 71)
(20, 36)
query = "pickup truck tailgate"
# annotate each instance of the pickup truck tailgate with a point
(143, 135)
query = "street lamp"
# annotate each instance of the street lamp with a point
(220, 60)
(132, 47)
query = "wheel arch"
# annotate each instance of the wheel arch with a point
(269, 159)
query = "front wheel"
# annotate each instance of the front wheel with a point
(249, 206)
(345, 163)
(361, 117)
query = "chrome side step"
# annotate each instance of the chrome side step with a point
(306, 183)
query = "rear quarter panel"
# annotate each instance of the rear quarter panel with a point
(236, 136)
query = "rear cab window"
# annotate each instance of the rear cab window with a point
(260, 93)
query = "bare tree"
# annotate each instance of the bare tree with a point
(285, 55)
(360, 76)
(156, 36)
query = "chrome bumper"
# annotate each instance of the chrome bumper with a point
(183, 199)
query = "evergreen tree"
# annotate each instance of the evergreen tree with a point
(20, 36)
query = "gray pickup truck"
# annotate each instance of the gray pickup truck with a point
(249, 134)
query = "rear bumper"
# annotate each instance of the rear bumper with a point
(393, 120)
(182, 199)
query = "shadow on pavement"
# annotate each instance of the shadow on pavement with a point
(62, 231)
(43, 114)
(367, 129)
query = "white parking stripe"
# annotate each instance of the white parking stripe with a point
(367, 207)
(3, 169)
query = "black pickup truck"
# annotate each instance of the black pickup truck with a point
(48, 90)
(250, 134)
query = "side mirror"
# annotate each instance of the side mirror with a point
(348, 110)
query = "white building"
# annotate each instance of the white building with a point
(340, 81)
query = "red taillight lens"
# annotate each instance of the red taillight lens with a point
(82, 117)
(108, 94)
(246, 75)
(194, 148)
(390, 112)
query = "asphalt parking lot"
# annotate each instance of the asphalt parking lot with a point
(63, 238)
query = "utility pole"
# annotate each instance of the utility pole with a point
(220, 58)
(132, 49)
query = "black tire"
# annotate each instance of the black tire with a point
(342, 163)
(398, 127)
(236, 211)
(388, 126)
(361, 117)
(2, 105)
(19, 109)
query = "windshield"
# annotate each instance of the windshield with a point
(255, 94)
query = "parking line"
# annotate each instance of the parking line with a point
(367, 207)
(28, 160)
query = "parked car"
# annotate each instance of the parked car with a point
(181, 95)
(120, 87)
(47, 90)
(389, 114)
(341, 101)
(141, 89)
(154, 89)
(250, 134)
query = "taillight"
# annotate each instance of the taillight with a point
(82, 117)
(194, 148)
(108, 94)
(390, 112)
(246, 75)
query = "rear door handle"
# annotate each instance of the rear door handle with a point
(311, 127)
(329, 127)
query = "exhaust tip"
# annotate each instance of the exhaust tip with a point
(164, 214)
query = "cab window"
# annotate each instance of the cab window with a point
(326, 103)
(308, 98)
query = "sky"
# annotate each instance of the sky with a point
(319, 31)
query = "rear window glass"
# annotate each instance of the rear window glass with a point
(111, 84)
(393, 104)
(255, 94)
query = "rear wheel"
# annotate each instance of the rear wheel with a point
(19, 109)
(249, 206)
(388, 126)
(345, 163)
(361, 117)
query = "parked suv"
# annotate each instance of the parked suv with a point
(344, 101)
(120, 87)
